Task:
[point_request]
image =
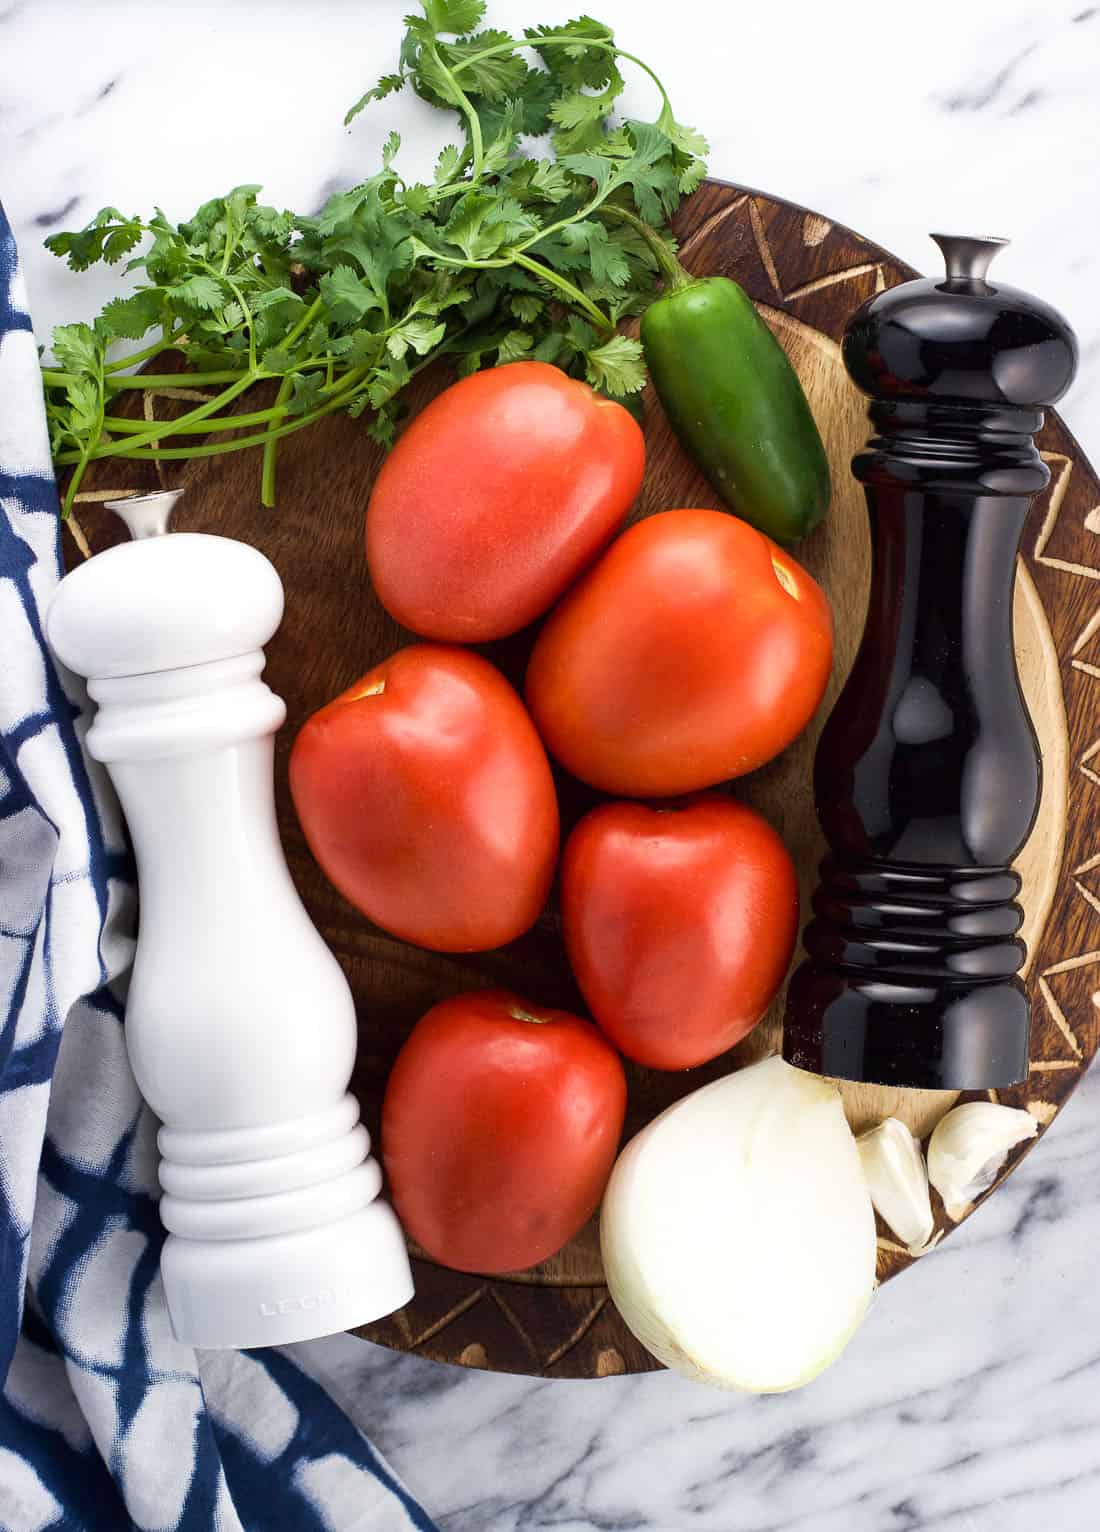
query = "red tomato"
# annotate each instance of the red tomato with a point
(496, 497)
(695, 650)
(500, 1125)
(679, 924)
(425, 795)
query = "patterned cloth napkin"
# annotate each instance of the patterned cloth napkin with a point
(105, 1420)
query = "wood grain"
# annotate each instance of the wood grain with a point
(807, 274)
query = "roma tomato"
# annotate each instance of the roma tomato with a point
(425, 795)
(695, 650)
(500, 1126)
(679, 924)
(496, 497)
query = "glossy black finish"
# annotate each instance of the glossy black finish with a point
(927, 775)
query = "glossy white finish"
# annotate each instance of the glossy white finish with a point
(240, 1024)
(188, 599)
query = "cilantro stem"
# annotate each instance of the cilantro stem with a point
(563, 284)
(86, 451)
(247, 313)
(309, 315)
(176, 379)
(55, 379)
(267, 477)
(157, 430)
(516, 257)
(340, 400)
(145, 454)
(119, 425)
(271, 447)
(466, 106)
(135, 358)
(563, 39)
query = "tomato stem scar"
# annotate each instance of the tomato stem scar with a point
(783, 575)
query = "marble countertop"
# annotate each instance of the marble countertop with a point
(970, 1400)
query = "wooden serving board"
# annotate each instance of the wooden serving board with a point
(807, 275)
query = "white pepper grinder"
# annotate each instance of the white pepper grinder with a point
(240, 1024)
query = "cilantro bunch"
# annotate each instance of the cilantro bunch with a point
(505, 254)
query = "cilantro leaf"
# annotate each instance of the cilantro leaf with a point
(133, 317)
(598, 168)
(578, 110)
(432, 80)
(382, 426)
(415, 199)
(686, 139)
(550, 180)
(617, 366)
(451, 289)
(361, 229)
(269, 226)
(466, 226)
(496, 77)
(514, 347)
(500, 145)
(198, 292)
(691, 177)
(276, 360)
(418, 334)
(536, 93)
(482, 224)
(453, 15)
(603, 256)
(579, 334)
(77, 348)
(388, 381)
(340, 208)
(108, 237)
(526, 306)
(365, 349)
(577, 64)
(272, 296)
(347, 296)
(274, 312)
(84, 406)
(387, 85)
(305, 394)
(448, 164)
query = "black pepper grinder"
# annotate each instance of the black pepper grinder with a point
(928, 773)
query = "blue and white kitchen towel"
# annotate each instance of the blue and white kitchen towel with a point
(105, 1422)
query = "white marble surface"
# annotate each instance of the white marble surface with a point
(970, 1401)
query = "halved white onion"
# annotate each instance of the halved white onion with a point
(737, 1231)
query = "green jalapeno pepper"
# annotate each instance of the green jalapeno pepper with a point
(734, 400)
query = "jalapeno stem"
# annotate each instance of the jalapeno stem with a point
(670, 268)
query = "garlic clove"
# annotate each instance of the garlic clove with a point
(968, 1147)
(897, 1180)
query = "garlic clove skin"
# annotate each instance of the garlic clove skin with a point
(968, 1147)
(897, 1180)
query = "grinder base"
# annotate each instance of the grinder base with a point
(279, 1288)
(885, 1033)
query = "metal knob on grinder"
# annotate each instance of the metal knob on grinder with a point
(927, 776)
